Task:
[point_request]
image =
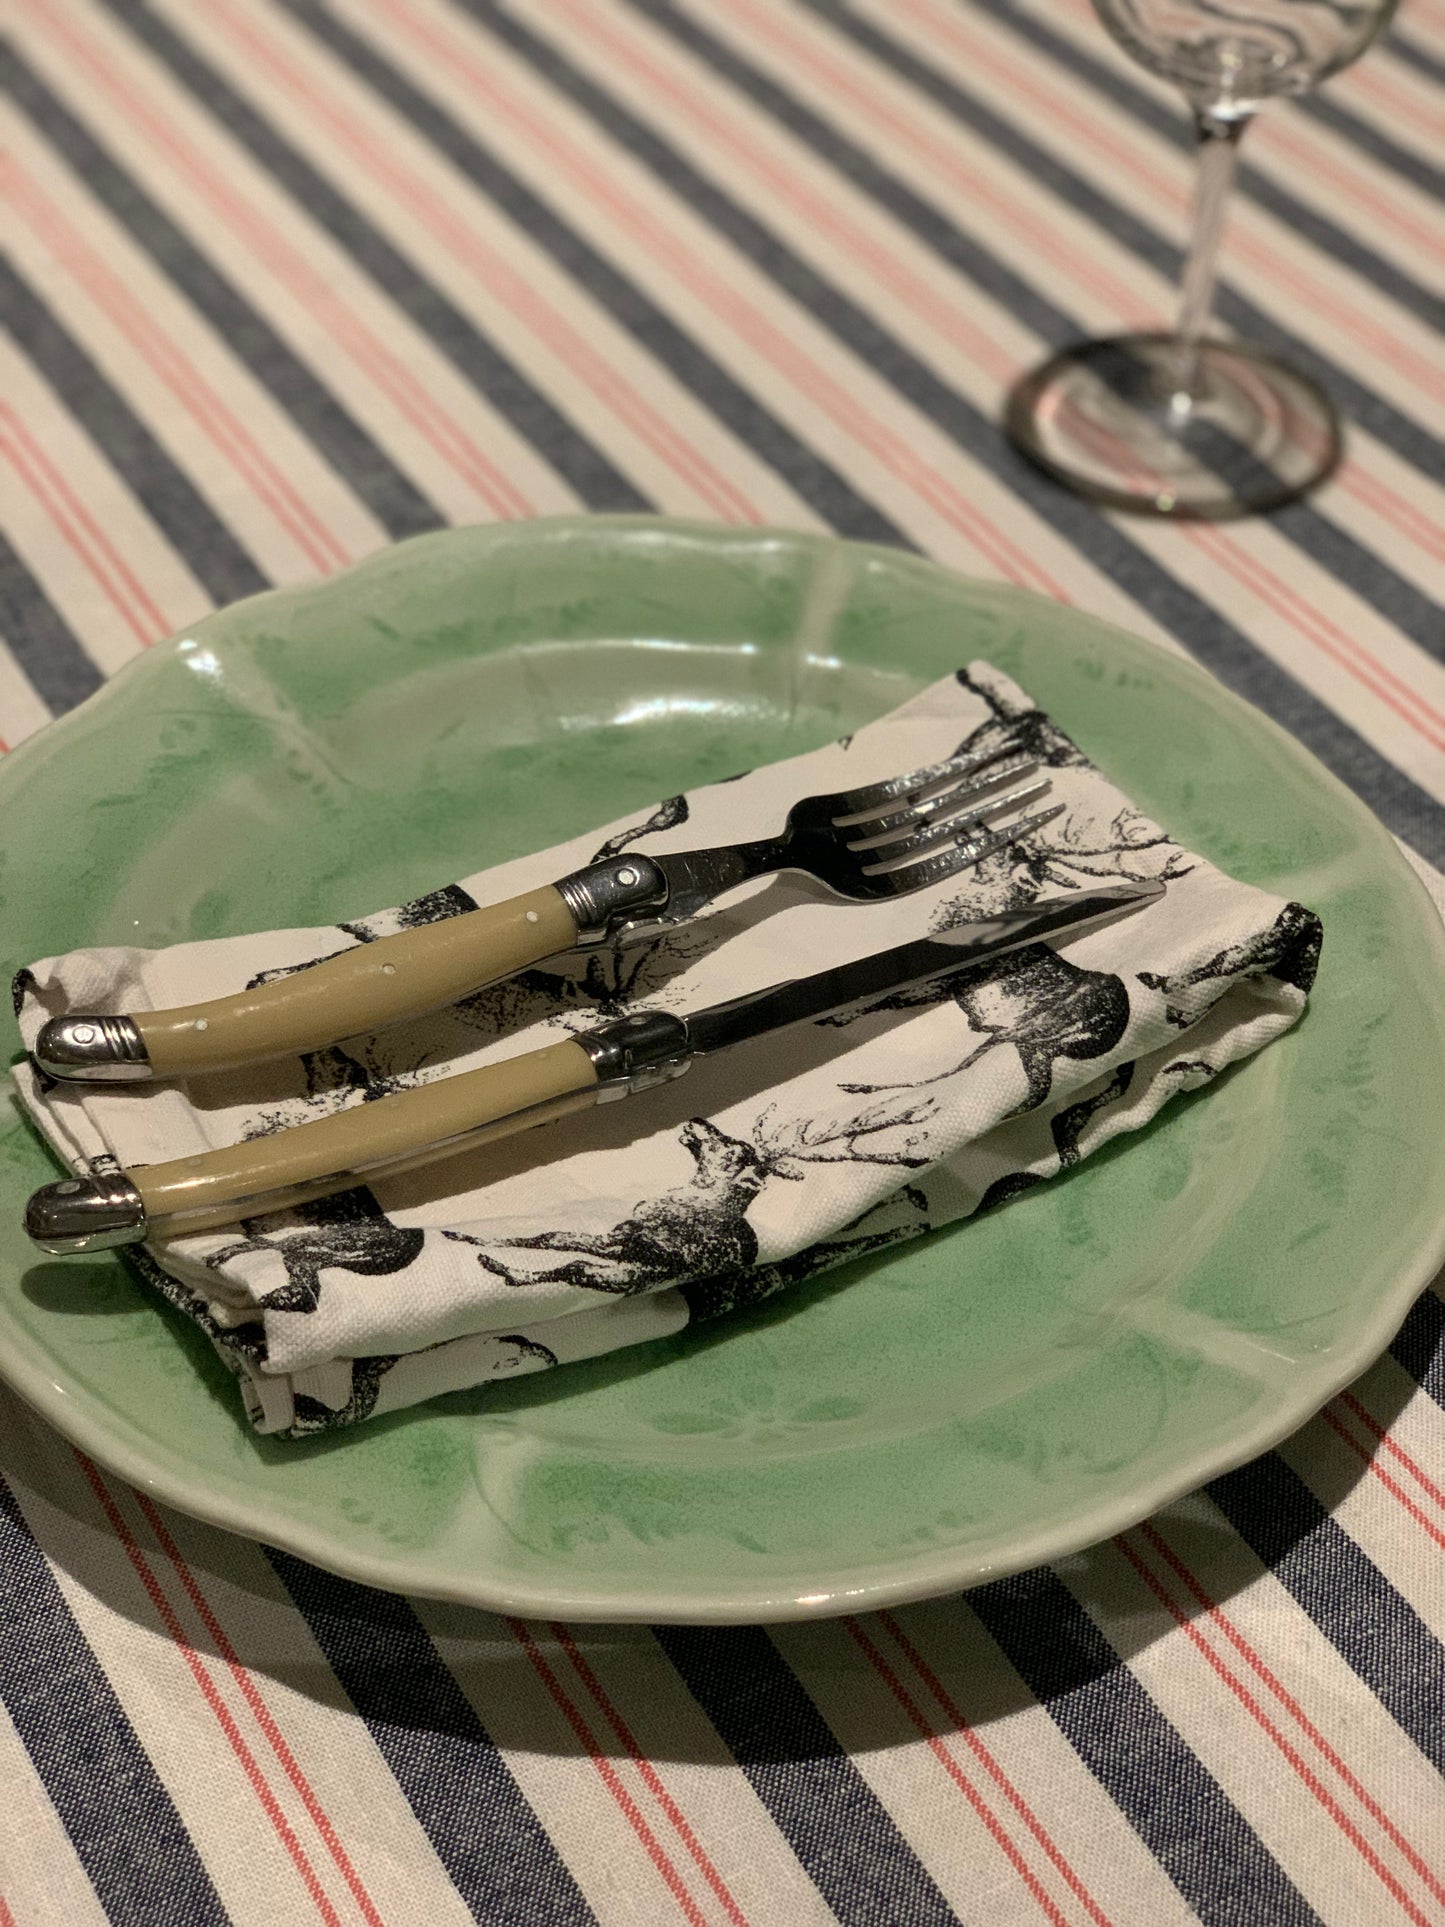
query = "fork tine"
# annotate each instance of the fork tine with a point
(850, 806)
(920, 805)
(906, 874)
(910, 831)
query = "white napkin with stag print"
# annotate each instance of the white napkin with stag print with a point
(761, 1166)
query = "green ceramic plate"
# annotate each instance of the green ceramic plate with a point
(994, 1396)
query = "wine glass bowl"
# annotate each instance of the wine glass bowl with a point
(1231, 56)
(1180, 423)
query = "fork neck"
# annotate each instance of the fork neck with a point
(695, 877)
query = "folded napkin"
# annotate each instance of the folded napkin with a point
(761, 1166)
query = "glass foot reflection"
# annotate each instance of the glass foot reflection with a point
(1150, 423)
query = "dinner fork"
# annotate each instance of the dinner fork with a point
(885, 839)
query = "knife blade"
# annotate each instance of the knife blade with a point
(368, 1142)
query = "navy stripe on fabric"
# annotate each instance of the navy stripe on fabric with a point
(1326, 543)
(32, 629)
(845, 1840)
(1420, 1346)
(496, 1853)
(1374, 1630)
(1398, 431)
(1364, 134)
(592, 475)
(1223, 648)
(396, 502)
(1173, 125)
(1416, 54)
(812, 479)
(121, 1821)
(203, 541)
(1179, 1810)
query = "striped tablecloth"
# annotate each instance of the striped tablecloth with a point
(288, 279)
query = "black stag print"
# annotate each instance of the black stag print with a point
(1044, 1006)
(346, 1232)
(332, 1076)
(1066, 1128)
(1012, 1184)
(693, 1229)
(1067, 1125)
(1019, 725)
(310, 1415)
(715, 1296)
(1288, 951)
(667, 816)
(435, 907)
(701, 1229)
(1047, 1008)
(22, 985)
(1130, 847)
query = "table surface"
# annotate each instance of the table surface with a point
(293, 278)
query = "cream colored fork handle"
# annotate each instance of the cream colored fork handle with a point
(365, 1141)
(363, 989)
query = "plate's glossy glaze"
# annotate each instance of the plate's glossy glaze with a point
(988, 1398)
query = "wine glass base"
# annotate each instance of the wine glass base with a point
(1144, 422)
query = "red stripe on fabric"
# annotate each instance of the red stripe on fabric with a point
(1296, 1761)
(1373, 84)
(1050, 237)
(209, 1692)
(1392, 507)
(1018, 79)
(587, 1740)
(1256, 1663)
(388, 374)
(994, 1770)
(1326, 635)
(650, 1776)
(36, 486)
(997, 1831)
(1392, 1486)
(891, 449)
(174, 367)
(506, 283)
(261, 1712)
(792, 186)
(156, 625)
(1312, 157)
(1395, 1450)
(7, 1919)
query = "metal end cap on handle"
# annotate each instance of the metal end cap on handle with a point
(85, 1214)
(83, 1049)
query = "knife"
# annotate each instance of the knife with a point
(368, 1142)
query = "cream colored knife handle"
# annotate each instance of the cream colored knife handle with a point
(365, 1141)
(366, 988)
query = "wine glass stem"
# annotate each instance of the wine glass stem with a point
(1218, 156)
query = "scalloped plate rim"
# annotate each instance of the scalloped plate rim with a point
(924, 1578)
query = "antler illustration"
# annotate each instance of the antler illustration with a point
(853, 1140)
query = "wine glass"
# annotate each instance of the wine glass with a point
(1186, 424)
